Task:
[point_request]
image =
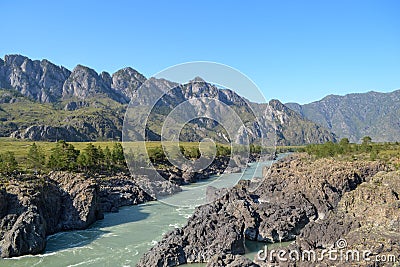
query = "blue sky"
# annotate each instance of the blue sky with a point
(293, 50)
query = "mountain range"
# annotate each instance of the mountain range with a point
(354, 116)
(42, 101)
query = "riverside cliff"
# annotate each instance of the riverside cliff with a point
(31, 208)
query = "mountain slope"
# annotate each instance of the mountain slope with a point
(42, 101)
(357, 115)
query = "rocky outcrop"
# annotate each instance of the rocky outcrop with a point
(3, 202)
(187, 174)
(74, 105)
(40, 80)
(84, 83)
(296, 192)
(50, 133)
(31, 208)
(127, 81)
(209, 231)
(80, 198)
(120, 191)
(229, 260)
(37, 208)
(367, 218)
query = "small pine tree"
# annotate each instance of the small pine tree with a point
(366, 144)
(344, 141)
(36, 158)
(107, 158)
(366, 140)
(8, 163)
(118, 155)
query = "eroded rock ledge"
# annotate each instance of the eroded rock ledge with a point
(31, 208)
(295, 194)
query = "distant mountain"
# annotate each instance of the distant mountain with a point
(45, 82)
(42, 101)
(356, 115)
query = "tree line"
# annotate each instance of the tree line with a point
(65, 157)
(372, 150)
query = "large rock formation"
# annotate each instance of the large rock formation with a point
(34, 209)
(366, 219)
(50, 133)
(295, 193)
(84, 83)
(293, 129)
(40, 80)
(127, 81)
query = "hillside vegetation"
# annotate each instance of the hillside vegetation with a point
(344, 150)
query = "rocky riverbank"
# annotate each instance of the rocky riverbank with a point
(221, 164)
(31, 207)
(310, 201)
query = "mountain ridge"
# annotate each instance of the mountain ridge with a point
(43, 101)
(356, 115)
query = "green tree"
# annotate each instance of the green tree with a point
(156, 154)
(107, 158)
(344, 141)
(374, 154)
(36, 158)
(366, 144)
(91, 158)
(118, 155)
(8, 163)
(63, 157)
(366, 140)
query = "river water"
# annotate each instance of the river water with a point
(120, 239)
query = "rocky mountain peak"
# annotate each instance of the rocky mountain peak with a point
(127, 81)
(15, 59)
(277, 105)
(106, 78)
(40, 80)
(84, 82)
(197, 79)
